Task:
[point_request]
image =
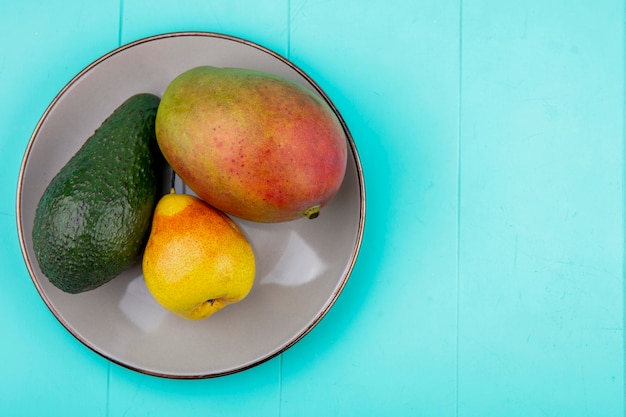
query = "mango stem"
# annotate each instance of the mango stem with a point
(312, 212)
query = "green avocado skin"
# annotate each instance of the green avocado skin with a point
(94, 218)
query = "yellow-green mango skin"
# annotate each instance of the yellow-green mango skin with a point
(252, 144)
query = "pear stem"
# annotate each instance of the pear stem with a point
(173, 182)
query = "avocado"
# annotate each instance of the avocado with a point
(94, 218)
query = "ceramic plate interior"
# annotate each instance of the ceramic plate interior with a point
(302, 266)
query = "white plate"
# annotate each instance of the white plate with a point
(302, 265)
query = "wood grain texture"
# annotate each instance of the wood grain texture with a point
(541, 279)
(491, 276)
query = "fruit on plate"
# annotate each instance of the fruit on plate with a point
(197, 260)
(94, 217)
(252, 144)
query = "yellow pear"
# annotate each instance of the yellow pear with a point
(197, 260)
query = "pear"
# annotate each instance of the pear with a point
(252, 144)
(197, 260)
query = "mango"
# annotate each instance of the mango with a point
(252, 144)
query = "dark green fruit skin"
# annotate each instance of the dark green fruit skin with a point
(94, 218)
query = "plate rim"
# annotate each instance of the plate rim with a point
(325, 308)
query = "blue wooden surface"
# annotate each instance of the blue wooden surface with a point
(491, 276)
